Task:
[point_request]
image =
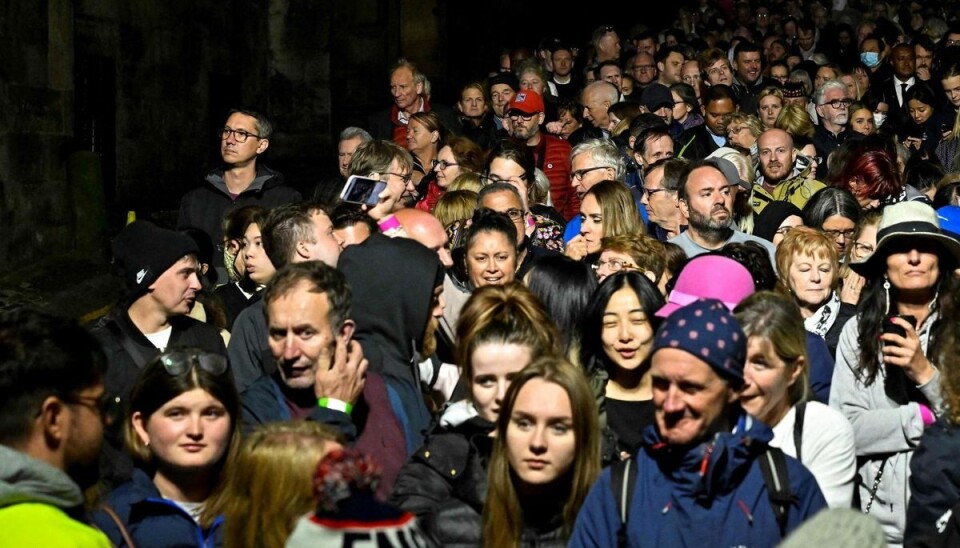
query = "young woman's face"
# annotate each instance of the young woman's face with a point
(862, 122)
(770, 107)
(919, 112)
(189, 432)
(627, 335)
(257, 264)
(680, 109)
(540, 441)
(767, 381)
(491, 259)
(591, 222)
(494, 366)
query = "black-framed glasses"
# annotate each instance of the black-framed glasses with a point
(578, 174)
(517, 115)
(493, 179)
(443, 164)
(178, 362)
(837, 233)
(107, 407)
(652, 191)
(837, 103)
(405, 178)
(239, 135)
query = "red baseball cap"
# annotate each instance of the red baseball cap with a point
(526, 101)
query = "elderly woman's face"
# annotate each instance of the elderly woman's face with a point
(913, 264)
(811, 279)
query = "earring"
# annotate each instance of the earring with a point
(886, 291)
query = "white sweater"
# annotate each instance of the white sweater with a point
(828, 450)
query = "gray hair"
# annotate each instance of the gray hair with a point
(604, 153)
(493, 188)
(800, 75)
(604, 90)
(353, 132)
(828, 85)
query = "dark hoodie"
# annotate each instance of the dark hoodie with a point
(392, 282)
(206, 206)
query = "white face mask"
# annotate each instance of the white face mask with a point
(879, 118)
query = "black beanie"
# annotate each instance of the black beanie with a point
(765, 224)
(143, 251)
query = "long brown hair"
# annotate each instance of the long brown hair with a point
(619, 210)
(502, 513)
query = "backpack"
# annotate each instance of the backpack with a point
(773, 467)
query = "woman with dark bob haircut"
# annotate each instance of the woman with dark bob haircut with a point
(617, 338)
(836, 213)
(564, 286)
(183, 425)
(888, 372)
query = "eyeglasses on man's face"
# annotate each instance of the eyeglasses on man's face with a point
(406, 178)
(839, 103)
(517, 115)
(578, 174)
(239, 135)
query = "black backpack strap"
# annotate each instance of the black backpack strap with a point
(623, 480)
(773, 466)
(798, 427)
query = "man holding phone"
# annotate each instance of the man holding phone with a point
(387, 162)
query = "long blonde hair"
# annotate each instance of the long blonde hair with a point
(502, 514)
(270, 484)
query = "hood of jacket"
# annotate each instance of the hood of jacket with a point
(266, 178)
(392, 280)
(26, 479)
(714, 466)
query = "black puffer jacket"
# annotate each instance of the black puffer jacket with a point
(445, 482)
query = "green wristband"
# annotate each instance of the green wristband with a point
(335, 404)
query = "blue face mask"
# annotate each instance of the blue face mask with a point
(870, 58)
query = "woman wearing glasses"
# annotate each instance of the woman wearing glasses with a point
(181, 428)
(426, 135)
(459, 155)
(835, 212)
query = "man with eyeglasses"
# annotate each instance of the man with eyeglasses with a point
(833, 109)
(784, 175)
(526, 112)
(159, 271)
(660, 182)
(240, 181)
(643, 68)
(53, 402)
(385, 161)
(591, 162)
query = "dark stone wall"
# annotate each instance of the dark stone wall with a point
(110, 106)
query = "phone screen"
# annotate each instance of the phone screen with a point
(360, 190)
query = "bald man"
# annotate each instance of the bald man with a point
(785, 174)
(423, 227)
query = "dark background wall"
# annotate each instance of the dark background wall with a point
(110, 106)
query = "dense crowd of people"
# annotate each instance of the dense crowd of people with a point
(694, 286)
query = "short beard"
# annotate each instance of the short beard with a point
(713, 231)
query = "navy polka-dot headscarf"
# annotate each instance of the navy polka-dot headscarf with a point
(708, 330)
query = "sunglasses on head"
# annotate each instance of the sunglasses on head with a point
(178, 362)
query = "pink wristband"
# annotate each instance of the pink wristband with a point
(926, 415)
(388, 223)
